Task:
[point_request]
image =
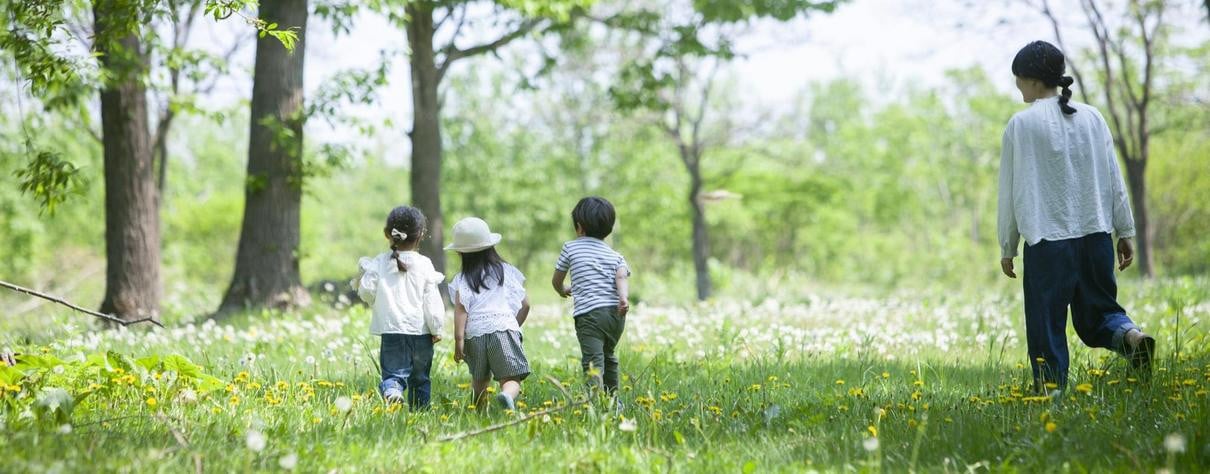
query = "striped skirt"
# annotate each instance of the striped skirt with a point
(497, 355)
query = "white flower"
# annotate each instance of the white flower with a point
(58, 369)
(54, 397)
(870, 444)
(1174, 443)
(310, 360)
(344, 404)
(65, 428)
(255, 441)
(288, 461)
(628, 425)
(187, 396)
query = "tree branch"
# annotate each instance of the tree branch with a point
(110, 318)
(453, 53)
(1054, 24)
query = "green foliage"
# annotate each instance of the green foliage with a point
(223, 9)
(50, 179)
(725, 11)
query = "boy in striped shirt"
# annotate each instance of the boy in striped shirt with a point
(598, 288)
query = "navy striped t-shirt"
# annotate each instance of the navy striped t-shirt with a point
(594, 269)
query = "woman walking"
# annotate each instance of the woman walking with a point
(1061, 190)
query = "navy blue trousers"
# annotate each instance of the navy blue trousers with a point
(406, 361)
(1077, 273)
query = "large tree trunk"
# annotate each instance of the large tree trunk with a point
(701, 242)
(1135, 178)
(426, 128)
(132, 222)
(266, 266)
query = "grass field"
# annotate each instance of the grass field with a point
(792, 383)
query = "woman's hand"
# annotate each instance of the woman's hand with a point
(1006, 266)
(436, 338)
(1125, 254)
(458, 355)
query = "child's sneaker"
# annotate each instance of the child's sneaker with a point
(506, 402)
(393, 395)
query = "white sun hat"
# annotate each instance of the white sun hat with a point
(472, 235)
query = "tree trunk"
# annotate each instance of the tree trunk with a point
(426, 129)
(1135, 178)
(701, 242)
(132, 222)
(266, 265)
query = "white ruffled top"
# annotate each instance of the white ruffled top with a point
(493, 308)
(403, 302)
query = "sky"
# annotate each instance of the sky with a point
(884, 44)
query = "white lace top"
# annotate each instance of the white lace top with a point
(494, 308)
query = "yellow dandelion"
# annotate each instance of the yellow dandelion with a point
(1051, 427)
(234, 400)
(839, 381)
(151, 402)
(873, 430)
(918, 383)
(1084, 388)
(754, 387)
(1051, 385)
(886, 375)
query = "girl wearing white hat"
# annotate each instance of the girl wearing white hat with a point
(490, 305)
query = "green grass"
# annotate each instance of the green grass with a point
(775, 385)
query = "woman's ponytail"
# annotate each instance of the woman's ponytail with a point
(1065, 82)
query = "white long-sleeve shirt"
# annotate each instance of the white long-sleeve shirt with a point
(403, 302)
(1059, 177)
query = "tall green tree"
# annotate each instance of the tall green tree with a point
(668, 83)
(267, 261)
(34, 33)
(132, 220)
(437, 32)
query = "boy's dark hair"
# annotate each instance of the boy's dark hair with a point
(595, 216)
(477, 267)
(405, 225)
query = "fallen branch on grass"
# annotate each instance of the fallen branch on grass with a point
(107, 317)
(500, 426)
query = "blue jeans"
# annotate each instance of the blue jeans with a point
(406, 360)
(1077, 273)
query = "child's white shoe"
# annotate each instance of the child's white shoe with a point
(393, 395)
(506, 402)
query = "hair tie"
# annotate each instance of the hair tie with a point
(1066, 81)
(397, 233)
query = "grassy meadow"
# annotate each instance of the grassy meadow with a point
(795, 380)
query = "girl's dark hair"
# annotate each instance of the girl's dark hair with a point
(595, 216)
(478, 267)
(405, 226)
(1043, 61)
